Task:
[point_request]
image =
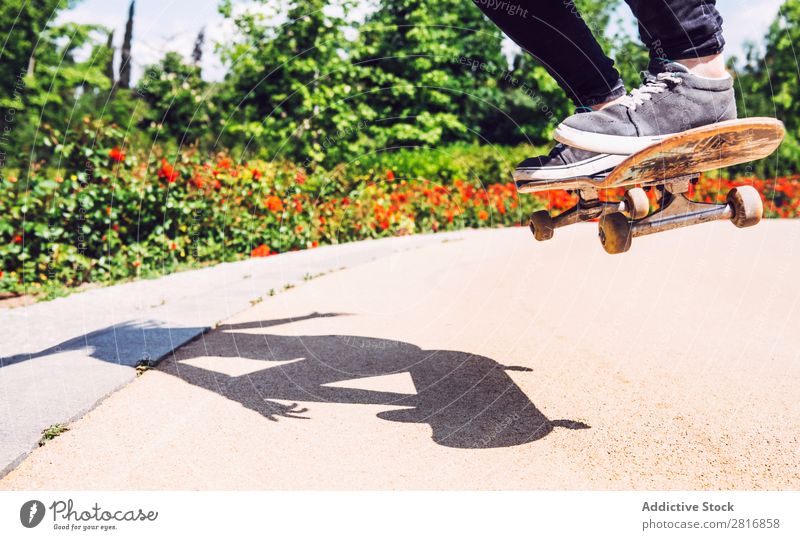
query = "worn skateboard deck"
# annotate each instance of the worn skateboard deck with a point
(688, 153)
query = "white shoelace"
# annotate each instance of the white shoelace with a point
(653, 85)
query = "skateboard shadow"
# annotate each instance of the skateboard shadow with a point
(469, 401)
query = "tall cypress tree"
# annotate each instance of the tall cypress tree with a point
(197, 52)
(125, 58)
(110, 64)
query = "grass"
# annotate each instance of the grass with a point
(52, 432)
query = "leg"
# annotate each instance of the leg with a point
(686, 85)
(555, 34)
(686, 31)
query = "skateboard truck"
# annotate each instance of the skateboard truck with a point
(743, 207)
(588, 207)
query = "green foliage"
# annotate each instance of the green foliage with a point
(433, 74)
(107, 216)
(767, 86)
(287, 87)
(180, 102)
(23, 23)
(52, 432)
(481, 164)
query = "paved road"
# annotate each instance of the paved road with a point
(485, 361)
(59, 359)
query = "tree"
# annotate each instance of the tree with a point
(23, 23)
(288, 85)
(433, 74)
(125, 58)
(197, 52)
(767, 86)
(179, 107)
(110, 63)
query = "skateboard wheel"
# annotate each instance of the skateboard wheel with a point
(747, 206)
(636, 203)
(615, 233)
(541, 225)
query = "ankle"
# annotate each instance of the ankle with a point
(712, 66)
(603, 105)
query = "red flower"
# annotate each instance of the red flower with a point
(256, 174)
(108, 210)
(483, 215)
(224, 163)
(115, 227)
(298, 229)
(137, 264)
(261, 251)
(168, 172)
(300, 178)
(116, 154)
(18, 239)
(390, 175)
(173, 246)
(313, 245)
(273, 203)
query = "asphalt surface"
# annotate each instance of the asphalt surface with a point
(479, 361)
(59, 359)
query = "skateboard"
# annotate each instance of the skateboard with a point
(670, 166)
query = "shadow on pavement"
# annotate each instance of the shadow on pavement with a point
(127, 344)
(469, 401)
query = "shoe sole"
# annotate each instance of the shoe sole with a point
(604, 143)
(590, 167)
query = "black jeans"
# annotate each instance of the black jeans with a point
(555, 34)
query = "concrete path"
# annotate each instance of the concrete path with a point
(486, 361)
(59, 359)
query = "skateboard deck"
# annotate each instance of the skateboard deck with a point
(688, 153)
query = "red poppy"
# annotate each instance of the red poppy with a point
(390, 175)
(18, 239)
(116, 154)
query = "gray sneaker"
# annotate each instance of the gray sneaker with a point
(565, 162)
(667, 103)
